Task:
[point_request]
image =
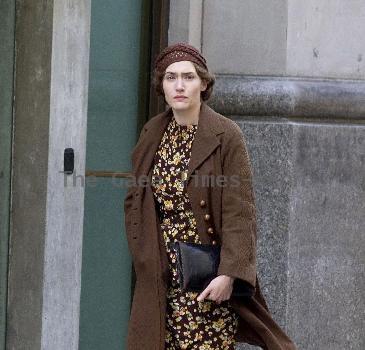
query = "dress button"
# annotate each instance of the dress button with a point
(202, 203)
(206, 217)
(214, 242)
(210, 230)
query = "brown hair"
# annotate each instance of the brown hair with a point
(204, 75)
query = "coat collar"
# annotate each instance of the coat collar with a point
(205, 140)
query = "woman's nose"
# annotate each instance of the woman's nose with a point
(179, 84)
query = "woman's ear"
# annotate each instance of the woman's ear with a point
(203, 86)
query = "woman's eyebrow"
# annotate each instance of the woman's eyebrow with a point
(181, 73)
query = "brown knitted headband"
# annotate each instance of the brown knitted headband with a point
(179, 52)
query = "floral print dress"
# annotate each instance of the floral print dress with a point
(190, 324)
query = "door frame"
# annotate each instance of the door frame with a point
(7, 57)
(159, 40)
(158, 14)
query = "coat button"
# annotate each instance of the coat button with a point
(206, 217)
(210, 230)
(214, 242)
(202, 203)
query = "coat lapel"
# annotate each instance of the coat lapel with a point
(205, 141)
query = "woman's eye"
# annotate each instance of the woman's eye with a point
(171, 77)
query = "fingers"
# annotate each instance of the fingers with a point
(219, 299)
(215, 292)
(208, 294)
(204, 294)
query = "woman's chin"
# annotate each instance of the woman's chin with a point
(180, 105)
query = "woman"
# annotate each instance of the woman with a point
(170, 200)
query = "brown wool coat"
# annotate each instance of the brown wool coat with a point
(218, 149)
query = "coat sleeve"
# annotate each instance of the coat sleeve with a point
(238, 236)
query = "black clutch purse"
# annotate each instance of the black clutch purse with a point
(197, 266)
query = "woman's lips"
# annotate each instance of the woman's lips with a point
(180, 98)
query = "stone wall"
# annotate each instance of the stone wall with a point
(291, 74)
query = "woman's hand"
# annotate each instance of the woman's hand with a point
(218, 290)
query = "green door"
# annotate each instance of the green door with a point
(118, 50)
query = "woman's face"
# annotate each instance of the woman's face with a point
(181, 79)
